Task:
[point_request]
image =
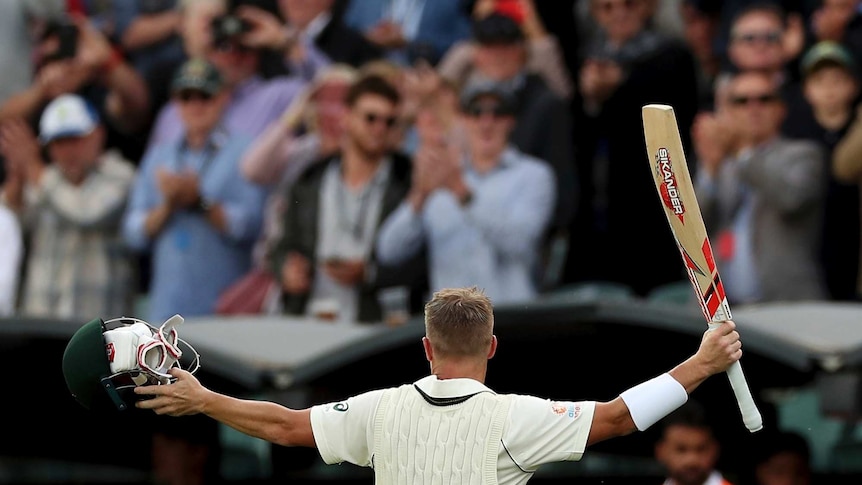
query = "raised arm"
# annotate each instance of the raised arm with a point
(262, 419)
(645, 404)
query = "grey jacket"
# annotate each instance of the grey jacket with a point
(788, 181)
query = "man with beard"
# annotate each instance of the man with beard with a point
(324, 257)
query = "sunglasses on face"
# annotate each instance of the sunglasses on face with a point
(373, 118)
(232, 47)
(759, 99)
(770, 38)
(608, 7)
(191, 95)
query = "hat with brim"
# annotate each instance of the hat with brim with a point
(67, 116)
(828, 53)
(197, 75)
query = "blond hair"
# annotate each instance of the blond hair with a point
(459, 322)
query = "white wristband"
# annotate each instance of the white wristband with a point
(654, 399)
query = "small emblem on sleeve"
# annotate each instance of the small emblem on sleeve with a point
(569, 409)
(341, 406)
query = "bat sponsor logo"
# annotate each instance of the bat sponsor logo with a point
(669, 189)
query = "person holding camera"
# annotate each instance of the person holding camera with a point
(75, 58)
(212, 31)
(310, 36)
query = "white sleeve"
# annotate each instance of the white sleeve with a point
(343, 430)
(542, 431)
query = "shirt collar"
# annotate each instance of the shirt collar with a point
(449, 388)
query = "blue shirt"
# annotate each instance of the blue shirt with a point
(192, 262)
(493, 242)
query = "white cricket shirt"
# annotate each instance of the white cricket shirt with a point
(538, 431)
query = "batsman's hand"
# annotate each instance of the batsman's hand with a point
(183, 397)
(719, 348)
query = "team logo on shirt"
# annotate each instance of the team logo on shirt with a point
(569, 409)
(340, 406)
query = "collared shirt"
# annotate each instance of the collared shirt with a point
(254, 104)
(192, 262)
(538, 431)
(77, 266)
(347, 230)
(12, 249)
(492, 242)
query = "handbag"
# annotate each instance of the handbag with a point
(249, 295)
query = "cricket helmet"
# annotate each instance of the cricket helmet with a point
(105, 360)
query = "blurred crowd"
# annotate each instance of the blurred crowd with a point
(343, 159)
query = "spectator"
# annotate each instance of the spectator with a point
(12, 249)
(544, 56)
(409, 30)
(482, 216)
(626, 66)
(325, 255)
(94, 70)
(543, 127)
(781, 458)
(190, 206)
(764, 206)
(759, 36)
(254, 102)
(311, 129)
(831, 86)
(312, 37)
(76, 264)
(688, 449)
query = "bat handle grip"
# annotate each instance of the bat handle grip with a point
(750, 414)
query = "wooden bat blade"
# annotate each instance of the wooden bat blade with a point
(676, 193)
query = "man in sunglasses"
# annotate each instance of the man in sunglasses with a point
(481, 210)
(324, 259)
(190, 206)
(763, 203)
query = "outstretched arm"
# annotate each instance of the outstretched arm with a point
(262, 419)
(643, 405)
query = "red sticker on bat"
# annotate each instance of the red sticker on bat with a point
(669, 189)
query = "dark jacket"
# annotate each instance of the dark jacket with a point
(300, 235)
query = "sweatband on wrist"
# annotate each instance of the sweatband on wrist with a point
(654, 399)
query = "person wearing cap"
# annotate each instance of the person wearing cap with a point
(480, 212)
(544, 55)
(830, 88)
(543, 120)
(190, 206)
(76, 265)
(255, 100)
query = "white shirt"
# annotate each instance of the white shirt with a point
(538, 431)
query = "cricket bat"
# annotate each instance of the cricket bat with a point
(675, 189)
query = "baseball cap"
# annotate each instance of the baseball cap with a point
(481, 88)
(497, 28)
(68, 115)
(827, 52)
(198, 75)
